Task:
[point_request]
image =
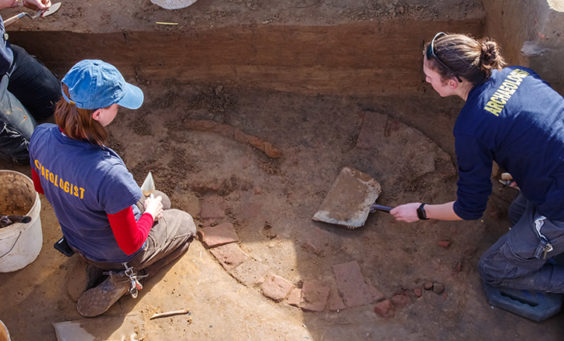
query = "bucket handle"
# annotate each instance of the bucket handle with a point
(19, 235)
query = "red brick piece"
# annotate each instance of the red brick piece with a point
(218, 235)
(276, 287)
(250, 272)
(351, 284)
(335, 301)
(444, 243)
(314, 296)
(384, 308)
(295, 297)
(229, 255)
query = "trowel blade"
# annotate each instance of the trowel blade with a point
(54, 8)
(148, 186)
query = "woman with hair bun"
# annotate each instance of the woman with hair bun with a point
(510, 116)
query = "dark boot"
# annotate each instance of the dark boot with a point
(81, 277)
(99, 299)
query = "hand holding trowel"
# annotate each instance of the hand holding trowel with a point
(350, 200)
(38, 14)
(153, 205)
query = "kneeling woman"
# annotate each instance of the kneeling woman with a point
(103, 214)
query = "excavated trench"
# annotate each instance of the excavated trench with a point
(249, 124)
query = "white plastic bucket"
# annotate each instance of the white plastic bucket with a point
(4, 333)
(19, 243)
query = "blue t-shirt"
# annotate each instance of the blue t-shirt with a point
(83, 182)
(517, 120)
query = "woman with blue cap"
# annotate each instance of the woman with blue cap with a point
(102, 212)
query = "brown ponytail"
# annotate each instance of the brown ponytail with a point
(463, 56)
(78, 123)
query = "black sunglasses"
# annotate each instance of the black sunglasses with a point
(431, 53)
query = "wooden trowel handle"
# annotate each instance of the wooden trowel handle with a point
(376, 207)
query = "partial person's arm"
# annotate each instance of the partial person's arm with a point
(130, 234)
(36, 182)
(33, 4)
(408, 212)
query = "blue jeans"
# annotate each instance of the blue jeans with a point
(28, 93)
(517, 259)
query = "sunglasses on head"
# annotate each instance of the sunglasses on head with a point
(430, 53)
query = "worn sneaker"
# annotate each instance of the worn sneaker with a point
(81, 277)
(99, 299)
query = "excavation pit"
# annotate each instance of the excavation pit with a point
(251, 111)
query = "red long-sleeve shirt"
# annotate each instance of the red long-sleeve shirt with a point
(130, 234)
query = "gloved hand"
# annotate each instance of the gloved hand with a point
(154, 206)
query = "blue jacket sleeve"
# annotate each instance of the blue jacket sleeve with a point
(6, 54)
(474, 183)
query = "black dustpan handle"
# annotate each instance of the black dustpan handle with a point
(375, 207)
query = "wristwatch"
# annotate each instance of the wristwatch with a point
(421, 212)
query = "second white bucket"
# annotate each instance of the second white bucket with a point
(20, 243)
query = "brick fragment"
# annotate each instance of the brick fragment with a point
(384, 308)
(250, 273)
(295, 297)
(229, 255)
(275, 287)
(351, 284)
(444, 243)
(314, 296)
(217, 235)
(335, 302)
(377, 295)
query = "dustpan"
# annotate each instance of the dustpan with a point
(350, 199)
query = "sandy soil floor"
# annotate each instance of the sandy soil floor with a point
(271, 202)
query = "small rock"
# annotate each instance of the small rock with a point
(384, 308)
(400, 300)
(438, 288)
(428, 285)
(418, 292)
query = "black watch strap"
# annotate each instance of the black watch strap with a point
(421, 212)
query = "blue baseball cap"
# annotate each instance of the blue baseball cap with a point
(95, 84)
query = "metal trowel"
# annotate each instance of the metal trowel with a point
(350, 200)
(148, 186)
(39, 14)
